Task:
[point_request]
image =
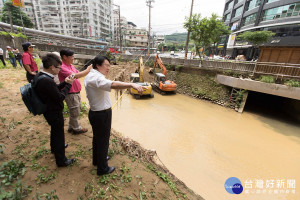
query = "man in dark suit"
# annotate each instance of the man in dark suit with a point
(53, 96)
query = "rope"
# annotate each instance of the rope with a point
(119, 99)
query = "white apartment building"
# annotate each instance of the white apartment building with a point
(131, 25)
(136, 37)
(159, 39)
(117, 26)
(81, 18)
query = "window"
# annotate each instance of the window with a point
(270, 1)
(238, 11)
(250, 19)
(229, 5)
(254, 4)
(285, 30)
(282, 11)
(227, 17)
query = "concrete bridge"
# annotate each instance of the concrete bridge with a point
(257, 86)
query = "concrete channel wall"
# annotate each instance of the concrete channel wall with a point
(257, 86)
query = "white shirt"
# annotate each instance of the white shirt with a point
(1, 51)
(51, 75)
(97, 89)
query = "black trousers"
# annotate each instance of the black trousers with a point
(2, 59)
(30, 76)
(57, 135)
(101, 125)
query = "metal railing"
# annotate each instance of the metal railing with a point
(286, 70)
(244, 66)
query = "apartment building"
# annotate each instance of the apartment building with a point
(117, 26)
(280, 16)
(136, 37)
(159, 39)
(81, 18)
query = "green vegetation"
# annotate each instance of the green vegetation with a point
(15, 14)
(205, 31)
(256, 37)
(239, 97)
(83, 110)
(198, 91)
(135, 61)
(231, 73)
(201, 86)
(47, 196)
(176, 37)
(149, 63)
(166, 179)
(178, 67)
(38, 61)
(267, 79)
(42, 178)
(9, 34)
(11, 172)
(171, 46)
(292, 83)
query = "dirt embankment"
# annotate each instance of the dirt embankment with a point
(28, 169)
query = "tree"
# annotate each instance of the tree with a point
(218, 29)
(256, 38)
(206, 31)
(16, 17)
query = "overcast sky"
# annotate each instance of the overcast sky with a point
(167, 16)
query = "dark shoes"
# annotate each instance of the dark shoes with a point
(82, 130)
(108, 171)
(66, 163)
(66, 145)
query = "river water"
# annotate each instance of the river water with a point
(204, 144)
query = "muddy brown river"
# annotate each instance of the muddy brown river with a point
(204, 144)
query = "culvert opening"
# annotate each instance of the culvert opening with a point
(272, 106)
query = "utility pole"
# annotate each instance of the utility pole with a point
(22, 22)
(188, 34)
(149, 5)
(10, 19)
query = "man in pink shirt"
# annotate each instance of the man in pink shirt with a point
(28, 61)
(73, 99)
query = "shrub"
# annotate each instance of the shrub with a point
(198, 91)
(267, 79)
(292, 83)
(178, 67)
